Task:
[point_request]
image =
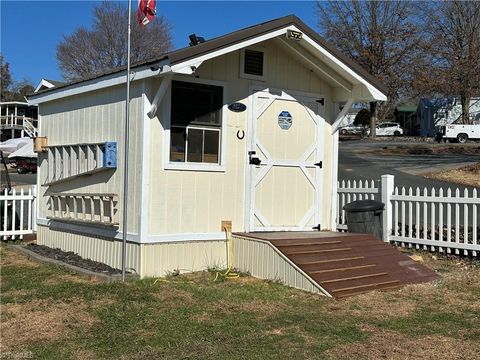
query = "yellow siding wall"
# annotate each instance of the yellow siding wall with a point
(95, 248)
(162, 259)
(97, 116)
(192, 201)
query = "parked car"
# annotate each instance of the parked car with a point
(352, 130)
(26, 165)
(389, 129)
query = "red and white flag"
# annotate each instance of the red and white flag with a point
(146, 11)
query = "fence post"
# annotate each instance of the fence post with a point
(34, 208)
(387, 186)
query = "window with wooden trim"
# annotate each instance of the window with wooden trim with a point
(196, 123)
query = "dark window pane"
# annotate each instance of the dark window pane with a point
(195, 145)
(177, 144)
(211, 145)
(196, 104)
(253, 62)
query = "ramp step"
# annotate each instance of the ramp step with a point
(366, 286)
(342, 269)
(383, 288)
(331, 260)
(309, 243)
(354, 277)
(306, 252)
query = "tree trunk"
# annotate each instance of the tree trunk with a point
(465, 100)
(373, 119)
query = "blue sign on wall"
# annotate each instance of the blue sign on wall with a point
(285, 120)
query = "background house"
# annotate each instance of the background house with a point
(442, 111)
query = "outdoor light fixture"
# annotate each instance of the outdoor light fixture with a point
(156, 68)
(294, 35)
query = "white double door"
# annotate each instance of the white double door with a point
(284, 169)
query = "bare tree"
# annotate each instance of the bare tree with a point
(86, 53)
(6, 80)
(381, 36)
(451, 59)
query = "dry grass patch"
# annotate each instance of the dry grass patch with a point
(467, 175)
(262, 308)
(422, 149)
(376, 305)
(60, 279)
(172, 297)
(16, 259)
(394, 346)
(41, 321)
(85, 354)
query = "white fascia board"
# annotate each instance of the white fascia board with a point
(374, 92)
(141, 72)
(183, 67)
(44, 82)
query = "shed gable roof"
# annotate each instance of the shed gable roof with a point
(213, 46)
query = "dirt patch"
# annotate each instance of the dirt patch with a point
(390, 345)
(71, 258)
(40, 321)
(467, 175)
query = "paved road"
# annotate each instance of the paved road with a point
(22, 179)
(406, 169)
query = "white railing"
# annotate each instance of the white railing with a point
(349, 191)
(437, 220)
(18, 214)
(12, 121)
(29, 128)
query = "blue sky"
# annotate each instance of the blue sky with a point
(30, 30)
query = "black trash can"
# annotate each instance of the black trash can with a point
(365, 216)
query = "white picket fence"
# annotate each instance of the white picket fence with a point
(437, 219)
(18, 215)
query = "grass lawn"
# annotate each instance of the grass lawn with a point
(48, 312)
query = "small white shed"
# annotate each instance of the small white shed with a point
(240, 128)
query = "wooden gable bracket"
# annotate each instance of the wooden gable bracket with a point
(342, 115)
(162, 90)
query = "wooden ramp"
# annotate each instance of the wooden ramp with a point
(346, 264)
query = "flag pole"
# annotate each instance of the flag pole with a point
(126, 139)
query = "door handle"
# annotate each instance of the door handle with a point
(253, 160)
